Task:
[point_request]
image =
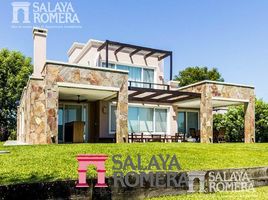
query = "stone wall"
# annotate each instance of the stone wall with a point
(39, 102)
(209, 90)
(31, 114)
(92, 76)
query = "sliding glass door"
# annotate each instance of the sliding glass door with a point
(142, 119)
(187, 120)
(71, 112)
(181, 122)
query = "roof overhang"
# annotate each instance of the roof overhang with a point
(71, 91)
(159, 95)
(217, 102)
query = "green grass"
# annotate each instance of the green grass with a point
(258, 193)
(56, 162)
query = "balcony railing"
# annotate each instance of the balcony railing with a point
(139, 84)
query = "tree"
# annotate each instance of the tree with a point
(233, 122)
(192, 75)
(15, 69)
(261, 121)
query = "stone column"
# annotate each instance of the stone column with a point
(52, 101)
(249, 125)
(122, 114)
(52, 98)
(19, 132)
(206, 117)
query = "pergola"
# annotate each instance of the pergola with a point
(134, 49)
(159, 95)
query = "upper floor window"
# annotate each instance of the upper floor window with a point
(136, 74)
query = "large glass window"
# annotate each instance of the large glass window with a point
(144, 119)
(160, 120)
(138, 74)
(148, 77)
(133, 120)
(133, 75)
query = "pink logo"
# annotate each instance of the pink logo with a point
(84, 160)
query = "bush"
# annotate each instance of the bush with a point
(233, 122)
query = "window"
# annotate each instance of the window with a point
(146, 118)
(192, 121)
(148, 77)
(113, 118)
(133, 120)
(73, 113)
(181, 122)
(187, 120)
(160, 120)
(133, 75)
(142, 119)
(138, 74)
(110, 65)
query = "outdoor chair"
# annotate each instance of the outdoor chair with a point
(177, 137)
(215, 136)
(221, 136)
(156, 138)
(136, 137)
(167, 138)
(198, 136)
(192, 132)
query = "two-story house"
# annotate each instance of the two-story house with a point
(108, 90)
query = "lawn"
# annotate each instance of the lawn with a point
(257, 193)
(57, 162)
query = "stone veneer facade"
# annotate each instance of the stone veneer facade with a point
(208, 90)
(38, 110)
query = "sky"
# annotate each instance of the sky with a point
(231, 35)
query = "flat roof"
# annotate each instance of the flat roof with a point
(215, 82)
(84, 66)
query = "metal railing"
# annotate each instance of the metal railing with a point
(139, 84)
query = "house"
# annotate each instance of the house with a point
(108, 90)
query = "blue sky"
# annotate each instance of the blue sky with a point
(231, 35)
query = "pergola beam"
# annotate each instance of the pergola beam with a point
(102, 46)
(149, 54)
(118, 50)
(134, 52)
(162, 57)
(147, 98)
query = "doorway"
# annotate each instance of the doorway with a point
(72, 123)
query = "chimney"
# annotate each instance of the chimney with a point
(39, 51)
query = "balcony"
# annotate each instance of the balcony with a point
(147, 85)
